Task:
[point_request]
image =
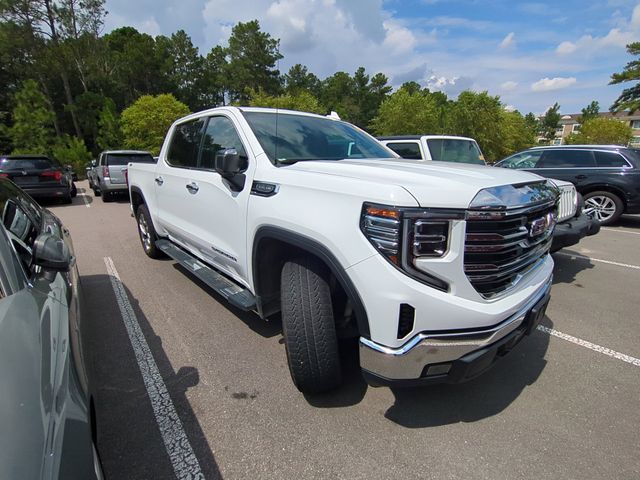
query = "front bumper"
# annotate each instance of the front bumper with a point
(573, 230)
(450, 357)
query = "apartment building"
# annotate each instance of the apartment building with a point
(570, 124)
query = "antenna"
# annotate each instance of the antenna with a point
(275, 153)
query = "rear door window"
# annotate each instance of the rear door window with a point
(185, 143)
(410, 150)
(566, 159)
(610, 159)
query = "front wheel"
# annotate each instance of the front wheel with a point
(309, 327)
(605, 207)
(147, 233)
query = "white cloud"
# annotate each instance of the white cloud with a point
(509, 108)
(508, 86)
(452, 86)
(556, 83)
(508, 41)
(398, 39)
(566, 48)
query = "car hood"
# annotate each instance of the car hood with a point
(432, 184)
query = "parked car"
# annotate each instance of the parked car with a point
(40, 176)
(45, 406)
(441, 148)
(608, 177)
(282, 211)
(108, 174)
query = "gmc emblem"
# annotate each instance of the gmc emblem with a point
(541, 225)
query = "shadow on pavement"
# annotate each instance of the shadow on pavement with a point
(128, 436)
(567, 268)
(628, 221)
(483, 397)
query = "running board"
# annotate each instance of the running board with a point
(236, 295)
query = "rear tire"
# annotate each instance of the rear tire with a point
(106, 197)
(605, 207)
(309, 327)
(74, 190)
(147, 233)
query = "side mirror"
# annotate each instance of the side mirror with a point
(231, 166)
(52, 254)
(94, 163)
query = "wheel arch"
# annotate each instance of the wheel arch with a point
(137, 198)
(273, 246)
(617, 191)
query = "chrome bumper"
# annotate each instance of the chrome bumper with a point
(437, 351)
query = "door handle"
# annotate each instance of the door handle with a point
(580, 177)
(159, 181)
(193, 187)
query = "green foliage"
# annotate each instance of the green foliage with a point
(405, 112)
(550, 122)
(145, 123)
(252, 57)
(602, 131)
(590, 111)
(69, 150)
(300, 79)
(629, 99)
(109, 133)
(517, 134)
(32, 130)
(302, 101)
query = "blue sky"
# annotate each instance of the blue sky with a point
(531, 54)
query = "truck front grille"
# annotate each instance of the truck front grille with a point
(568, 205)
(500, 247)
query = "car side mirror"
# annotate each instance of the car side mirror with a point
(94, 163)
(231, 166)
(52, 255)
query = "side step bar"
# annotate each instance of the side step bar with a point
(236, 295)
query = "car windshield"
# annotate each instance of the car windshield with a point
(119, 159)
(288, 138)
(27, 163)
(455, 150)
(526, 159)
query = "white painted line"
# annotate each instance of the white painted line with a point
(84, 199)
(619, 230)
(184, 461)
(592, 346)
(609, 262)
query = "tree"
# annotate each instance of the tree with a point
(299, 78)
(302, 101)
(109, 133)
(407, 113)
(516, 134)
(629, 99)
(602, 131)
(72, 151)
(32, 130)
(145, 123)
(212, 83)
(550, 121)
(590, 111)
(252, 57)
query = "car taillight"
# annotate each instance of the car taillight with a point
(4, 175)
(105, 171)
(56, 174)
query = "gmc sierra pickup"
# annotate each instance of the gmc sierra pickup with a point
(437, 269)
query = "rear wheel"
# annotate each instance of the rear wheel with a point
(106, 197)
(147, 233)
(309, 327)
(74, 190)
(605, 207)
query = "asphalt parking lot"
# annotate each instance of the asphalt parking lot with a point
(564, 404)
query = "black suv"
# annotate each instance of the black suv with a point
(608, 177)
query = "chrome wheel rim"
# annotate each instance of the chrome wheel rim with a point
(601, 207)
(143, 228)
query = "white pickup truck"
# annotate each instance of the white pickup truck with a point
(441, 148)
(437, 269)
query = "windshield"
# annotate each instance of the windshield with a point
(124, 159)
(455, 150)
(301, 137)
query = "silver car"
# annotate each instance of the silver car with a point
(45, 405)
(108, 174)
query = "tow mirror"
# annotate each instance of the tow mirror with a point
(52, 255)
(231, 166)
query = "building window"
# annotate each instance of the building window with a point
(557, 141)
(635, 123)
(635, 141)
(576, 127)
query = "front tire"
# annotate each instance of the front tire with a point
(605, 207)
(309, 327)
(147, 233)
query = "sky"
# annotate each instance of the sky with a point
(531, 54)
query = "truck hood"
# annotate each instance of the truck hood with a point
(432, 184)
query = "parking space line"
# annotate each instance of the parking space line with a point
(591, 346)
(609, 262)
(619, 230)
(184, 461)
(85, 200)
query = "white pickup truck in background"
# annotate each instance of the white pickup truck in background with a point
(438, 270)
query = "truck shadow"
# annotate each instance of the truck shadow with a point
(483, 397)
(628, 221)
(567, 268)
(128, 436)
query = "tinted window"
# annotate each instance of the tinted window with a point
(219, 136)
(610, 159)
(27, 163)
(455, 150)
(526, 159)
(409, 150)
(124, 159)
(185, 143)
(566, 159)
(21, 229)
(288, 137)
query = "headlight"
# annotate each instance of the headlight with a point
(405, 235)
